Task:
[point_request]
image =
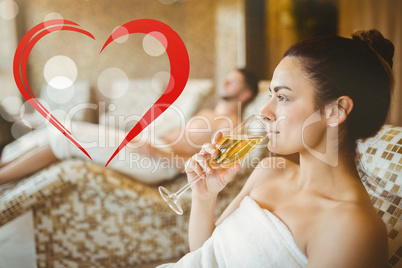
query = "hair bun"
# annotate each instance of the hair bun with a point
(376, 40)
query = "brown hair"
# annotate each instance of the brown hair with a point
(251, 81)
(359, 68)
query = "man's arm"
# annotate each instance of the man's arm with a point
(188, 140)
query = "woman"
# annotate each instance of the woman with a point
(317, 213)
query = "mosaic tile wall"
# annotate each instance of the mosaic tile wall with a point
(381, 170)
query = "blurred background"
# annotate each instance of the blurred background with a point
(220, 35)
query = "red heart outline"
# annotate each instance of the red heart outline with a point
(175, 49)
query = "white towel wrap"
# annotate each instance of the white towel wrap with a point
(250, 237)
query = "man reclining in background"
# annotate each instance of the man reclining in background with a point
(139, 160)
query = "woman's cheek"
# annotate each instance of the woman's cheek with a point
(313, 130)
(288, 124)
(295, 124)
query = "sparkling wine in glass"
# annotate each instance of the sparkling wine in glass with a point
(231, 149)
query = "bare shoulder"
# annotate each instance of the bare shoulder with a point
(201, 120)
(355, 232)
(206, 112)
(359, 220)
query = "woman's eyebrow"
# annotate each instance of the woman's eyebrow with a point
(278, 88)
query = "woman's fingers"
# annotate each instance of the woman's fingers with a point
(195, 165)
(202, 160)
(199, 163)
(208, 148)
(218, 135)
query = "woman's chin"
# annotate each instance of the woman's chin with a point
(281, 150)
(274, 149)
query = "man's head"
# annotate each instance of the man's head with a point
(240, 85)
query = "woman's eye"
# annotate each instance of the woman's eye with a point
(282, 98)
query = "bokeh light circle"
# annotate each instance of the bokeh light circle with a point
(29, 116)
(18, 131)
(53, 16)
(123, 38)
(8, 9)
(155, 44)
(112, 107)
(12, 106)
(60, 72)
(113, 83)
(61, 115)
(160, 81)
(60, 96)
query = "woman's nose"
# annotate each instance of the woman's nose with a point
(268, 111)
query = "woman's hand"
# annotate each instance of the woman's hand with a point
(214, 180)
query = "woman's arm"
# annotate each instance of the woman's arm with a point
(204, 193)
(202, 221)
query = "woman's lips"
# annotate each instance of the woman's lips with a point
(273, 132)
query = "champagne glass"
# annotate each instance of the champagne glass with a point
(232, 148)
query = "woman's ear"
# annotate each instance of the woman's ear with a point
(337, 112)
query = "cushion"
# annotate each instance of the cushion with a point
(5, 129)
(77, 100)
(380, 168)
(256, 105)
(124, 112)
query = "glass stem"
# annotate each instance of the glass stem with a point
(189, 184)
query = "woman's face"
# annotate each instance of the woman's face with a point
(291, 110)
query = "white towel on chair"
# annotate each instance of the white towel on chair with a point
(250, 237)
(101, 142)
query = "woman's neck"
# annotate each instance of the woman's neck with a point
(332, 180)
